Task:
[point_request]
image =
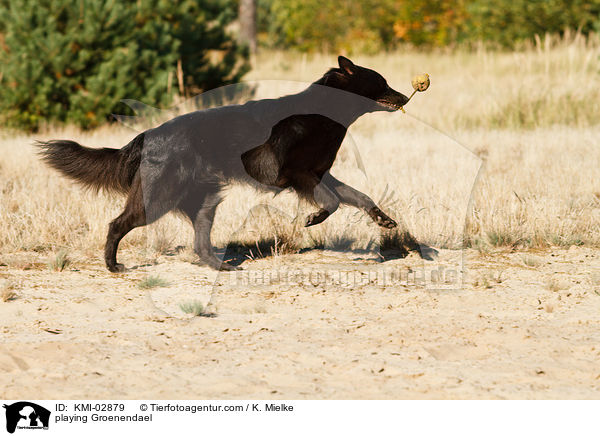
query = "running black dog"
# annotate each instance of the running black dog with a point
(184, 164)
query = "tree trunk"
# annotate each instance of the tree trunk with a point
(247, 14)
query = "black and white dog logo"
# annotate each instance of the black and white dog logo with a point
(26, 415)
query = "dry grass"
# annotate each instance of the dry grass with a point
(556, 284)
(59, 262)
(553, 82)
(195, 308)
(152, 282)
(527, 119)
(7, 294)
(8, 289)
(531, 261)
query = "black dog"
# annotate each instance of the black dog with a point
(183, 165)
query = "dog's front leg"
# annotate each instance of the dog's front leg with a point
(309, 187)
(352, 197)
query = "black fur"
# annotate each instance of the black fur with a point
(104, 168)
(183, 165)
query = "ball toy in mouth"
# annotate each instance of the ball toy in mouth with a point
(421, 82)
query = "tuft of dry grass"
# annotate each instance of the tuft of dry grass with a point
(152, 282)
(497, 277)
(7, 295)
(8, 292)
(486, 279)
(195, 308)
(59, 262)
(531, 261)
(482, 281)
(555, 284)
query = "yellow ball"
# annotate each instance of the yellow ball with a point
(421, 82)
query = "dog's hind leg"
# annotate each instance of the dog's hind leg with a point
(352, 197)
(201, 208)
(133, 216)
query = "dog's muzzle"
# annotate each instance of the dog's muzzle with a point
(392, 100)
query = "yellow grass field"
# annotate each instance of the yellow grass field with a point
(496, 166)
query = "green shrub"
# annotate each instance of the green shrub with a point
(74, 60)
(509, 21)
(364, 25)
(371, 25)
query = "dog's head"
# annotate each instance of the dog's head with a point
(364, 82)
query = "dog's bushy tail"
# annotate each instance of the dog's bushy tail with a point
(96, 168)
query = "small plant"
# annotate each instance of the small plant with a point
(566, 241)
(487, 279)
(195, 308)
(497, 238)
(555, 285)
(530, 261)
(153, 282)
(483, 281)
(8, 295)
(60, 261)
(8, 292)
(498, 277)
(481, 246)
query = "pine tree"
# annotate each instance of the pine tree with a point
(74, 60)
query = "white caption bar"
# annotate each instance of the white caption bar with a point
(41, 417)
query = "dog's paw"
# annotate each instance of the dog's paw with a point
(228, 267)
(381, 219)
(316, 218)
(387, 223)
(428, 253)
(116, 268)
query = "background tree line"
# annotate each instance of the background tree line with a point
(73, 61)
(374, 25)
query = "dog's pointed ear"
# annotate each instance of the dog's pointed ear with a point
(346, 65)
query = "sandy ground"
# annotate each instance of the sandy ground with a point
(523, 325)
